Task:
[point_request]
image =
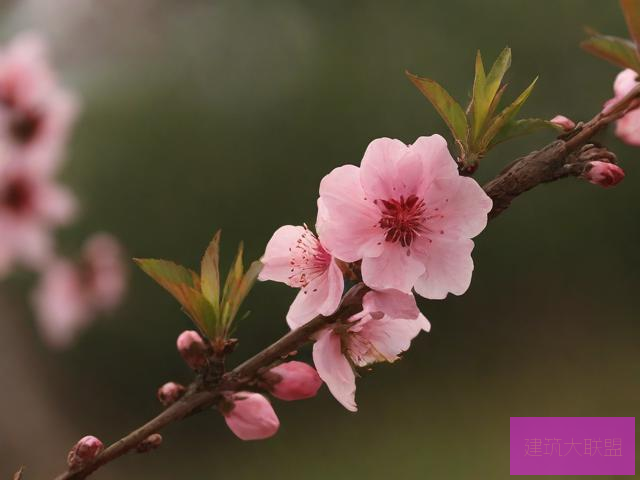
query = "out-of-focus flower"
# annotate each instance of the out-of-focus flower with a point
(36, 113)
(31, 206)
(627, 127)
(293, 381)
(408, 214)
(384, 328)
(192, 349)
(563, 122)
(71, 294)
(604, 174)
(251, 416)
(169, 393)
(296, 257)
(85, 451)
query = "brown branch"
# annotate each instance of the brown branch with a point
(564, 157)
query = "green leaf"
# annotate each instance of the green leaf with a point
(210, 272)
(631, 10)
(199, 309)
(505, 116)
(519, 128)
(243, 288)
(619, 51)
(183, 284)
(234, 277)
(485, 90)
(450, 110)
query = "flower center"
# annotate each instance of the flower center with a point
(16, 195)
(309, 259)
(402, 219)
(24, 125)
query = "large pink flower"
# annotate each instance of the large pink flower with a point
(31, 205)
(296, 257)
(408, 214)
(71, 294)
(628, 127)
(388, 322)
(35, 112)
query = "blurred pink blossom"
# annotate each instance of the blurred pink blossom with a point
(408, 214)
(604, 174)
(31, 206)
(36, 113)
(294, 381)
(70, 294)
(388, 322)
(296, 257)
(628, 127)
(251, 417)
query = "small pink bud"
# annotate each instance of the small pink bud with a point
(563, 122)
(604, 174)
(293, 381)
(169, 393)
(192, 349)
(85, 451)
(251, 417)
(152, 442)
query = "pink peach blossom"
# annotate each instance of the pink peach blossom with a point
(628, 127)
(604, 174)
(388, 322)
(192, 349)
(408, 214)
(31, 206)
(70, 294)
(294, 381)
(36, 114)
(563, 122)
(252, 417)
(296, 257)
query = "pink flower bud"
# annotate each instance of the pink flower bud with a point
(293, 381)
(563, 122)
(169, 393)
(152, 442)
(604, 174)
(85, 451)
(192, 349)
(251, 417)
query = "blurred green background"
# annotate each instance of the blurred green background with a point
(201, 115)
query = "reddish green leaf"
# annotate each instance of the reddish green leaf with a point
(450, 110)
(631, 10)
(210, 272)
(619, 51)
(519, 128)
(485, 90)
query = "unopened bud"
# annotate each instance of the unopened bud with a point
(192, 349)
(251, 416)
(563, 122)
(293, 381)
(170, 392)
(85, 451)
(152, 442)
(603, 173)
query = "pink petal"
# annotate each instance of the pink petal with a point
(462, 207)
(628, 128)
(392, 269)
(390, 336)
(277, 256)
(449, 268)
(435, 156)
(334, 369)
(321, 297)
(393, 303)
(379, 173)
(347, 220)
(624, 82)
(56, 204)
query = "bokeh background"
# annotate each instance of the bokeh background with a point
(201, 115)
